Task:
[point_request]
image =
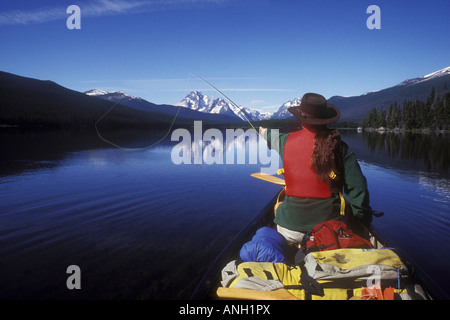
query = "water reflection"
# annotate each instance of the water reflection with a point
(28, 151)
(33, 150)
(417, 152)
(24, 151)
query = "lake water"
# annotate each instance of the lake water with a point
(141, 227)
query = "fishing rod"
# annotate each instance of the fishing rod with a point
(246, 115)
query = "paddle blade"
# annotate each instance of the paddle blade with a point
(269, 178)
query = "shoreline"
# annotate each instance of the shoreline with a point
(401, 130)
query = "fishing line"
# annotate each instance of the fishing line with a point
(246, 117)
(141, 148)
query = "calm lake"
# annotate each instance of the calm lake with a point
(140, 226)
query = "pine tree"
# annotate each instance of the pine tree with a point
(389, 119)
(381, 118)
(370, 121)
(432, 96)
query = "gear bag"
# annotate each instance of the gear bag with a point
(330, 235)
(354, 264)
(329, 275)
(368, 269)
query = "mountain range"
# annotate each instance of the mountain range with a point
(197, 104)
(143, 105)
(28, 102)
(199, 101)
(352, 108)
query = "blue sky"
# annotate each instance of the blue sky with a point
(260, 53)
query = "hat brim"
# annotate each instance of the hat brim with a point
(332, 115)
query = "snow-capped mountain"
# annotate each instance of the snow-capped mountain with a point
(434, 75)
(95, 92)
(199, 101)
(112, 96)
(437, 74)
(257, 115)
(282, 112)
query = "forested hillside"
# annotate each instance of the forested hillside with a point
(433, 114)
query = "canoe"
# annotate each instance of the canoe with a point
(210, 288)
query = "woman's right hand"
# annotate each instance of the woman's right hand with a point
(262, 131)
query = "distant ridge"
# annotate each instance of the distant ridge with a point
(356, 107)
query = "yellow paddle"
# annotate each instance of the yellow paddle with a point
(268, 177)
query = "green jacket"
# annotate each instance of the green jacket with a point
(302, 214)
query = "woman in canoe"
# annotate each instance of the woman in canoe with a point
(317, 165)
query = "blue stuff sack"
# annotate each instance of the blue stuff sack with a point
(267, 245)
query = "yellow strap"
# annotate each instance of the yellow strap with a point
(342, 203)
(281, 194)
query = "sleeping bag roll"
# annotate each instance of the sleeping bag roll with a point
(267, 245)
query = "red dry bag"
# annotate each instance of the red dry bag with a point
(331, 235)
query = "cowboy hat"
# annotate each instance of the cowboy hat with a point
(315, 110)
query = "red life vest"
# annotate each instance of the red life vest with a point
(301, 180)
